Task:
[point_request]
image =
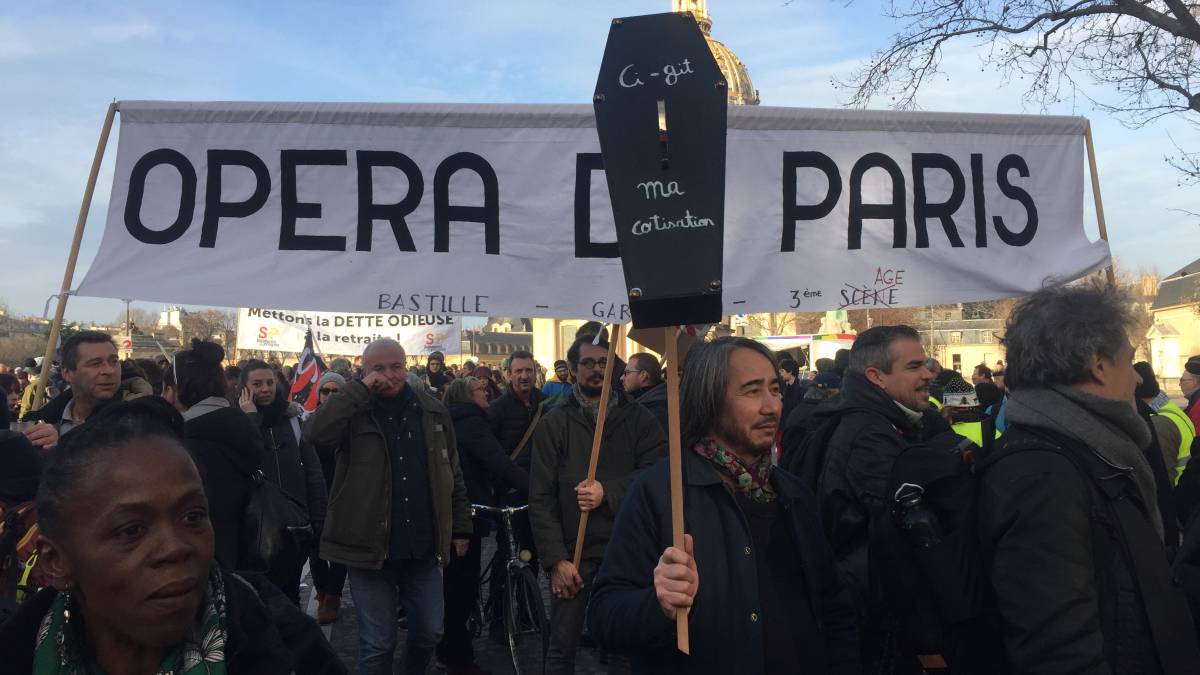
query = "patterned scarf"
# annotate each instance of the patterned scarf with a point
(201, 653)
(592, 408)
(752, 481)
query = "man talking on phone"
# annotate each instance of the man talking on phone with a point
(398, 508)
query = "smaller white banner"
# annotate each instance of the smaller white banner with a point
(343, 334)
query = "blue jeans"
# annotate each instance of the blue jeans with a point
(378, 594)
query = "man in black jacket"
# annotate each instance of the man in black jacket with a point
(761, 585)
(643, 380)
(1067, 511)
(512, 418)
(880, 412)
(512, 414)
(97, 378)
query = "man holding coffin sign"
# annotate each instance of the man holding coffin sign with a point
(716, 562)
(761, 585)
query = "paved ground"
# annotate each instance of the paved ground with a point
(490, 655)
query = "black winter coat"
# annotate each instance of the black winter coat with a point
(290, 463)
(20, 470)
(1064, 608)
(872, 432)
(227, 448)
(795, 427)
(485, 465)
(509, 418)
(654, 399)
(792, 397)
(624, 614)
(262, 636)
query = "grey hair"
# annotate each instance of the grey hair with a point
(460, 390)
(873, 347)
(1053, 334)
(705, 379)
(379, 343)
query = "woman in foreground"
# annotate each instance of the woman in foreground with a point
(128, 547)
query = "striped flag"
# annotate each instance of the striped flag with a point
(307, 376)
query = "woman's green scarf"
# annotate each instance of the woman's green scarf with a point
(201, 653)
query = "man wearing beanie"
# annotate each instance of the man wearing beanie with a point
(436, 375)
(960, 405)
(558, 386)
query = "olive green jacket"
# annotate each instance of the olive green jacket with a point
(562, 448)
(357, 530)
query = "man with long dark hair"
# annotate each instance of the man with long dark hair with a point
(761, 585)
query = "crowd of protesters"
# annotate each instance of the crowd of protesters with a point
(875, 513)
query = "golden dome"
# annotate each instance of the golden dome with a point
(741, 90)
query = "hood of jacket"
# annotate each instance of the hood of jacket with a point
(460, 411)
(859, 395)
(653, 395)
(206, 406)
(230, 428)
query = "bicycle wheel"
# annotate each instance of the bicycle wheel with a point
(525, 614)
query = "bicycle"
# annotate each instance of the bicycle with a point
(524, 607)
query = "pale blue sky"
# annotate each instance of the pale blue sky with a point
(62, 62)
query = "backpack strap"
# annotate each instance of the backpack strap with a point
(528, 432)
(988, 426)
(1167, 615)
(296, 428)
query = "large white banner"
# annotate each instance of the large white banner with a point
(342, 334)
(503, 209)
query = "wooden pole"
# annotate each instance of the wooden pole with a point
(1091, 153)
(605, 390)
(675, 451)
(73, 256)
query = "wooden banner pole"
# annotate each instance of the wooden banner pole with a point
(73, 256)
(605, 390)
(675, 451)
(1091, 153)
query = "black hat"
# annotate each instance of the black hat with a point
(1149, 386)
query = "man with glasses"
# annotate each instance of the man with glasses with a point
(643, 380)
(559, 491)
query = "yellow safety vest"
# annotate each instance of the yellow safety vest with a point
(971, 430)
(1187, 432)
(937, 405)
